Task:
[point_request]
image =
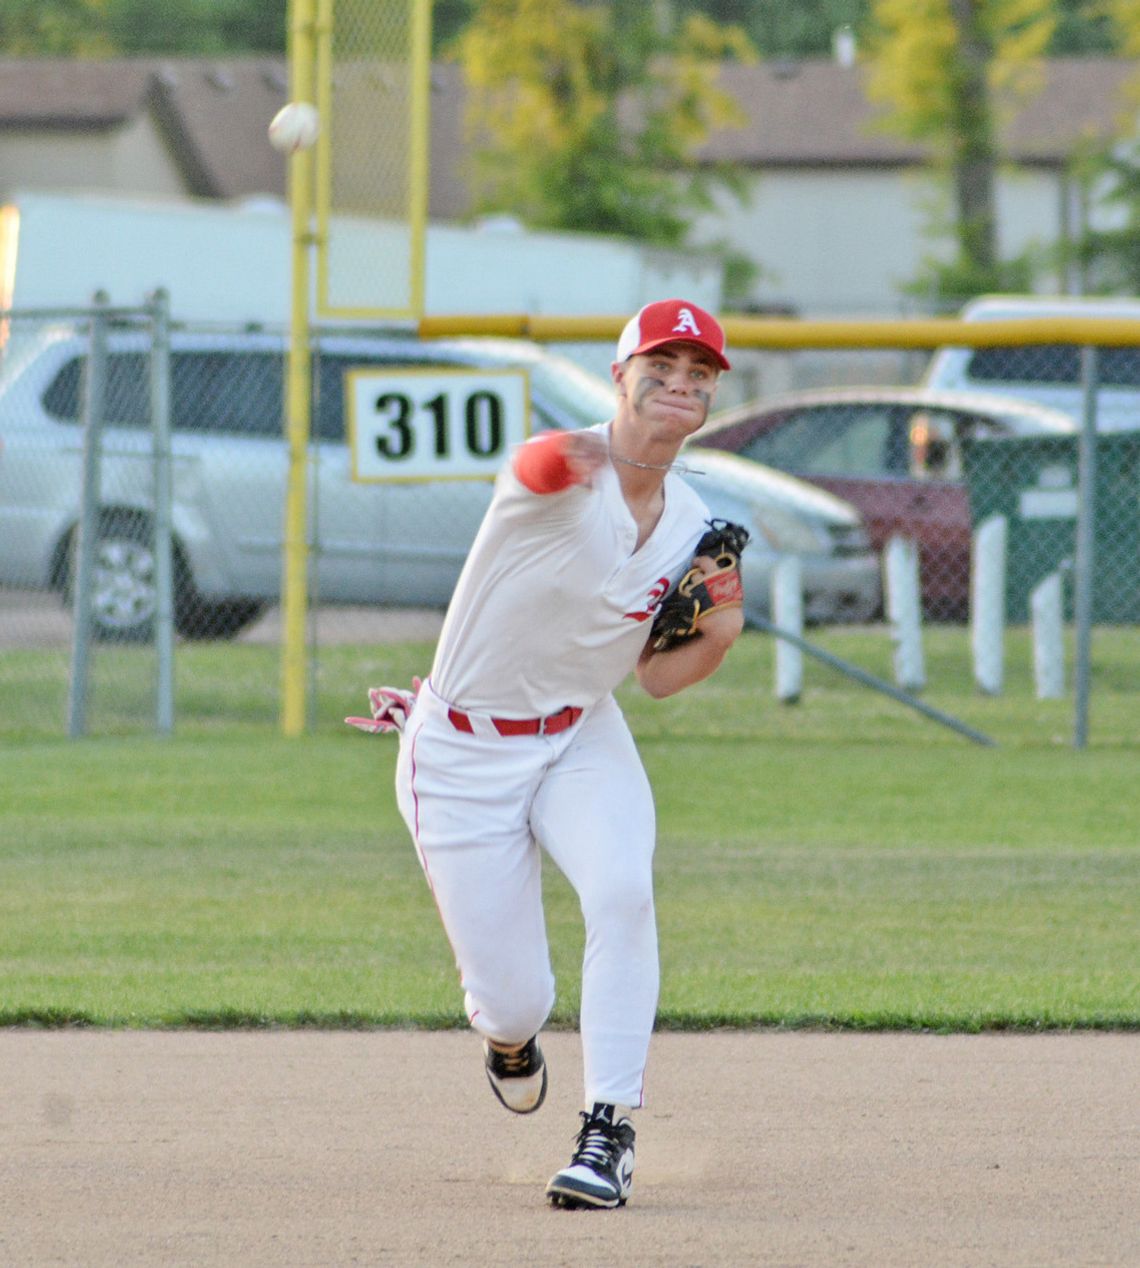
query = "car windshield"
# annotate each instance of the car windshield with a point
(853, 440)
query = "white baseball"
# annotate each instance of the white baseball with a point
(294, 127)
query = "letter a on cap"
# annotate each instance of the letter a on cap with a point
(686, 322)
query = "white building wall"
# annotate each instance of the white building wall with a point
(828, 242)
(141, 160)
(1030, 209)
(131, 158)
(834, 243)
(225, 263)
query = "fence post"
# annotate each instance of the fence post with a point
(987, 602)
(788, 614)
(163, 500)
(83, 560)
(1085, 553)
(1046, 608)
(904, 611)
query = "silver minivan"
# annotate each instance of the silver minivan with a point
(1047, 373)
(399, 543)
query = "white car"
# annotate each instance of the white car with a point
(1047, 373)
(395, 543)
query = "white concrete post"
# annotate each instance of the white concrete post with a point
(987, 603)
(1047, 610)
(788, 614)
(904, 611)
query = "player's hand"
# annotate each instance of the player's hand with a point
(586, 453)
(390, 707)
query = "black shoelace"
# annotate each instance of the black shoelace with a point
(513, 1064)
(598, 1144)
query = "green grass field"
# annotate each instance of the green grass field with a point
(838, 862)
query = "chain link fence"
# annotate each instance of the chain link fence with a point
(200, 411)
(374, 79)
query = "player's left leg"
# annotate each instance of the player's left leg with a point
(464, 799)
(594, 816)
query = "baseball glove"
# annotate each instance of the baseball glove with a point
(699, 593)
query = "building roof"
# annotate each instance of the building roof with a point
(214, 113)
(817, 113)
(53, 92)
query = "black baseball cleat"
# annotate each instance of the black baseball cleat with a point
(600, 1174)
(518, 1079)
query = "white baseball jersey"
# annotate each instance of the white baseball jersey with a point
(507, 647)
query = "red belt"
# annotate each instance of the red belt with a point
(550, 725)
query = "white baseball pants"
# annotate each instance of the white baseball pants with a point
(478, 807)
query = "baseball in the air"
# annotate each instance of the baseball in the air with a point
(294, 127)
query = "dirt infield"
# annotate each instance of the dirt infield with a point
(315, 1148)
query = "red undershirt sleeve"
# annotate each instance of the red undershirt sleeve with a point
(541, 463)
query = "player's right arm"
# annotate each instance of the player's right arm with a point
(555, 460)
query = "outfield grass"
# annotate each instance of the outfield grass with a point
(223, 687)
(840, 862)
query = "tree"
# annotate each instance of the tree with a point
(582, 116)
(948, 69)
(806, 28)
(448, 18)
(779, 29)
(104, 28)
(1110, 257)
(53, 28)
(775, 27)
(1124, 17)
(196, 27)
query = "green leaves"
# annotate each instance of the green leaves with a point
(947, 70)
(103, 28)
(582, 116)
(47, 28)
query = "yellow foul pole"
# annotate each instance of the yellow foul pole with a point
(294, 580)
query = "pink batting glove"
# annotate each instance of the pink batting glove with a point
(390, 709)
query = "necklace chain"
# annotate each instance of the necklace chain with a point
(650, 466)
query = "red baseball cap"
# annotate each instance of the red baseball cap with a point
(672, 321)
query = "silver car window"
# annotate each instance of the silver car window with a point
(232, 393)
(228, 392)
(127, 391)
(853, 440)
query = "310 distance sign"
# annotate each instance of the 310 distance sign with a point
(434, 424)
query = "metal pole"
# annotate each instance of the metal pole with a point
(875, 683)
(294, 583)
(1086, 546)
(163, 501)
(83, 557)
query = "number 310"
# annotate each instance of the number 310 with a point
(482, 424)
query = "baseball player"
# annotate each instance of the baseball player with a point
(515, 742)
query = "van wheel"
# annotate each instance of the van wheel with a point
(123, 586)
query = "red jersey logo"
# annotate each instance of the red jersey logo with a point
(658, 591)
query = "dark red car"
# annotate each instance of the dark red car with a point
(895, 453)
